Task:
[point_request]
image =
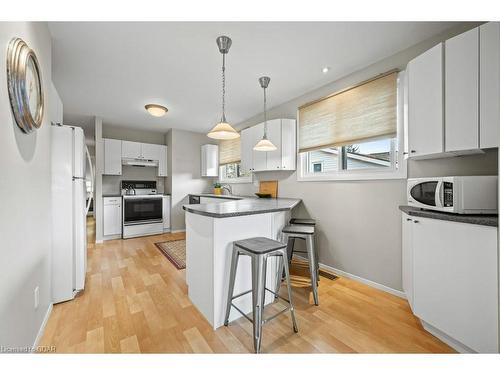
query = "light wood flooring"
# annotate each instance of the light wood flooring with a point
(135, 301)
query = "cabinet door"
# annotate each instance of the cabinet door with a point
(150, 151)
(162, 161)
(209, 161)
(131, 150)
(259, 157)
(273, 161)
(425, 95)
(407, 257)
(246, 150)
(462, 91)
(288, 145)
(456, 284)
(112, 157)
(166, 212)
(112, 219)
(489, 85)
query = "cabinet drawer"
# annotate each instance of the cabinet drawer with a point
(112, 200)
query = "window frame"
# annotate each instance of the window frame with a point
(237, 180)
(398, 170)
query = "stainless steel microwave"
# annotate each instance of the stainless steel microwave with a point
(456, 194)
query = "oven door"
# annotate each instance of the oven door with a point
(425, 193)
(139, 210)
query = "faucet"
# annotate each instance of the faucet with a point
(228, 188)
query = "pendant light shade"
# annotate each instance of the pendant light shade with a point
(223, 130)
(265, 144)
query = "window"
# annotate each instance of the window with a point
(354, 134)
(230, 162)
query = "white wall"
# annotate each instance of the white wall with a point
(359, 228)
(25, 193)
(185, 171)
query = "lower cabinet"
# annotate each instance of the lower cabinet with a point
(450, 274)
(112, 223)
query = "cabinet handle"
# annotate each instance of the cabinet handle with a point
(408, 219)
(405, 153)
(413, 151)
(415, 221)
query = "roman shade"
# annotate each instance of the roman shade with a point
(230, 151)
(360, 113)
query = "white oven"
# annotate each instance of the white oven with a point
(456, 194)
(142, 215)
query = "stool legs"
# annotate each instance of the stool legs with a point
(313, 268)
(232, 276)
(289, 288)
(259, 265)
(281, 274)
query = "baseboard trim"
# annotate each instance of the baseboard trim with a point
(42, 327)
(177, 231)
(458, 346)
(348, 275)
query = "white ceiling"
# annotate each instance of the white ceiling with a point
(112, 69)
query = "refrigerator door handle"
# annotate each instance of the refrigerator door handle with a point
(91, 179)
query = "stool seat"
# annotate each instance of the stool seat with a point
(298, 229)
(259, 245)
(299, 221)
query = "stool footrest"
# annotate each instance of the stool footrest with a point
(275, 315)
(241, 294)
(241, 312)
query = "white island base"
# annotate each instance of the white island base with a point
(209, 244)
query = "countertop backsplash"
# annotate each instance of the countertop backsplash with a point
(111, 184)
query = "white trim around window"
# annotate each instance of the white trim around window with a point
(399, 172)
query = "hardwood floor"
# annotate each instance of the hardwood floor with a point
(135, 301)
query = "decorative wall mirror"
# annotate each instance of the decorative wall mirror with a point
(24, 80)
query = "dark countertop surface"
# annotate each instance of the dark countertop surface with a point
(111, 196)
(242, 206)
(488, 220)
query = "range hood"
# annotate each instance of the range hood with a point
(140, 162)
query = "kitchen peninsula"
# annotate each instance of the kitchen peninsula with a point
(210, 231)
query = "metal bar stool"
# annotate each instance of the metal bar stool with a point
(305, 232)
(259, 249)
(291, 240)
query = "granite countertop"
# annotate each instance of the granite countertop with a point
(242, 206)
(221, 196)
(488, 220)
(111, 195)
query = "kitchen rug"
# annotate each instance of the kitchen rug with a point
(175, 251)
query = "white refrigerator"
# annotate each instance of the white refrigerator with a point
(69, 207)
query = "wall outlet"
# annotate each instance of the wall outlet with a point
(36, 295)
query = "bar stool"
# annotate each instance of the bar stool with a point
(259, 249)
(290, 249)
(306, 233)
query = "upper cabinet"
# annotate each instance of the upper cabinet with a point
(425, 103)
(489, 85)
(116, 150)
(454, 95)
(209, 160)
(112, 157)
(282, 133)
(462, 92)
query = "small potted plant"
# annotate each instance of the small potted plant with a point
(217, 188)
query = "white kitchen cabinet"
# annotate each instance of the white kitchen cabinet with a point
(288, 144)
(462, 92)
(425, 103)
(247, 139)
(112, 157)
(209, 161)
(166, 212)
(112, 222)
(131, 150)
(407, 257)
(259, 157)
(274, 161)
(162, 161)
(150, 151)
(282, 133)
(455, 275)
(489, 85)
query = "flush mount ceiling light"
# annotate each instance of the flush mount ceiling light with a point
(223, 130)
(326, 69)
(156, 110)
(264, 144)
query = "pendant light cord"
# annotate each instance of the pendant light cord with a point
(223, 88)
(265, 115)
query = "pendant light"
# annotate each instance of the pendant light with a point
(223, 130)
(264, 144)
